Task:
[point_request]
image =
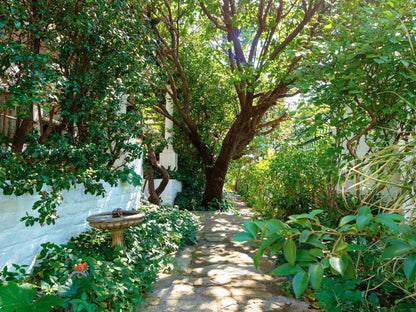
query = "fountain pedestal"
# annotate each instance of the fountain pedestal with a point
(116, 223)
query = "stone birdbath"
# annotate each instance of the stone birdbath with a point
(116, 222)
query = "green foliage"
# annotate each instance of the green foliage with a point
(22, 298)
(16, 274)
(367, 249)
(192, 186)
(338, 294)
(369, 59)
(113, 280)
(65, 74)
(289, 182)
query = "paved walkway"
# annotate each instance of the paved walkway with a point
(218, 275)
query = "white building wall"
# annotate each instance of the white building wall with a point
(20, 244)
(169, 194)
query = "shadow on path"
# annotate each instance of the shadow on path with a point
(218, 274)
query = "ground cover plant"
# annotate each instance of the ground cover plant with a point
(87, 274)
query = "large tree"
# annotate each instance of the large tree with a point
(262, 43)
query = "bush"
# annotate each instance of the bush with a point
(90, 275)
(367, 261)
(290, 182)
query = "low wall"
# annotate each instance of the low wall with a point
(20, 244)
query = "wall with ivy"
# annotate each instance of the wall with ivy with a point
(20, 244)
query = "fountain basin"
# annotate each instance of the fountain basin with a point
(116, 225)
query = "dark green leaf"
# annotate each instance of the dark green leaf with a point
(341, 246)
(289, 251)
(300, 283)
(346, 220)
(304, 255)
(397, 248)
(409, 267)
(316, 252)
(16, 297)
(286, 269)
(362, 221)
(243, 237)
(46, 303)
(304, 236)
(316, 273)
(251, 228)
(275, 225)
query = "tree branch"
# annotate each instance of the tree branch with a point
(273, 124)
(212, 18)
(307, 17)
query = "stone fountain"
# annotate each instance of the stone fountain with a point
(116, 222)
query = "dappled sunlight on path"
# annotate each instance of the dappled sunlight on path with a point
(218, 274)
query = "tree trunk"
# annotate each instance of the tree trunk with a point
(154, 165)
(215, 178)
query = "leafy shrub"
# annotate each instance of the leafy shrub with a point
(90, 275)
(82, 132)
(290, 182)
(375, 251)
(338, 294)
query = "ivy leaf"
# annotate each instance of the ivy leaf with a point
(300, 282)
(289, 251)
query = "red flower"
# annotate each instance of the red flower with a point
(80, 267)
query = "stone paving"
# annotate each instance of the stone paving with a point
(218, 274)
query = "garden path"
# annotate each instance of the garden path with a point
(218, 274)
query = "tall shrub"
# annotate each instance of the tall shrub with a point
(66, 66)
(292, 181)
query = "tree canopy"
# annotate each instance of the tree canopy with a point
(257, 46)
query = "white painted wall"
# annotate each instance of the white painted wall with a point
(20, 244)
(169, 194)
